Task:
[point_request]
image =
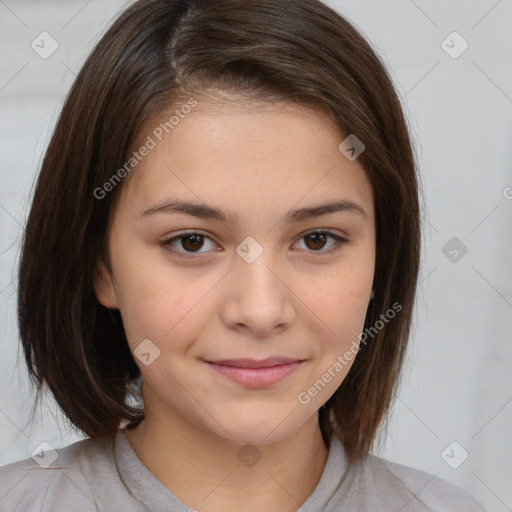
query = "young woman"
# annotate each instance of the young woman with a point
(226, 228)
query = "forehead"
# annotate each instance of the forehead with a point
(258, 155)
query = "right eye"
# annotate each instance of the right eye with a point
(190, 241)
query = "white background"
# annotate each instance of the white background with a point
(457, 385)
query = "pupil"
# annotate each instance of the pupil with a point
(316, 237)
(195, 243)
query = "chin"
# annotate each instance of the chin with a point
(257, 430)
(255, 437)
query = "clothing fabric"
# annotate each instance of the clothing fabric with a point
(105, 474)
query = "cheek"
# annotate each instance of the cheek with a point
(338, 307)
(148, 299)
(161, 302)
(338, 299)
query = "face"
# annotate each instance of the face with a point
(262, 278)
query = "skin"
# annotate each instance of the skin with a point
(295, 299)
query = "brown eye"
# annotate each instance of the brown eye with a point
(186, 244)
(315, 241)
(192, 242)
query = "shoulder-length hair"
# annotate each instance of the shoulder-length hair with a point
(155, 52)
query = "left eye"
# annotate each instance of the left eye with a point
(190, 242)
(193, 241)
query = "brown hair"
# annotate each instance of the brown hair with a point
(155, 52)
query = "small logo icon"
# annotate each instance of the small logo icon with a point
(454, 455)
(249, 249)
(45, 455)
(454, 249)
(146, 352)
(351, 147)
(454, 45)
(249, 455)
(44, 45)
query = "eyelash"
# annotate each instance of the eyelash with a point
(340, 241)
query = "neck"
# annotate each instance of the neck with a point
(209, 473)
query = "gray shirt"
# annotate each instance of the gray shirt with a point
(106, 475)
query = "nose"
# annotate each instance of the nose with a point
(260, 299)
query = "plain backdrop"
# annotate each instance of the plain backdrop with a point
(455, 400)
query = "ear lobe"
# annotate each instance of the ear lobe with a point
(104, 287)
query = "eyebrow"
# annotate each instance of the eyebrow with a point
(205, 211)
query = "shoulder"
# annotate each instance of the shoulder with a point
(55, 479)
(414, 489)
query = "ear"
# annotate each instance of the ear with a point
(104, 287)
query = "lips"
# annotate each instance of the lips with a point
(254, 363)
(255, 373)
